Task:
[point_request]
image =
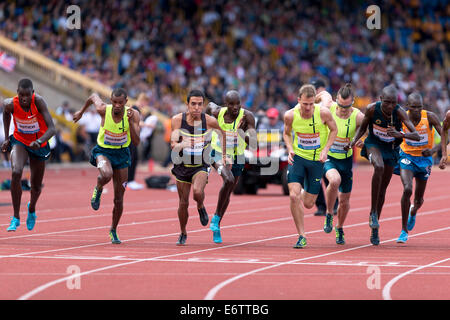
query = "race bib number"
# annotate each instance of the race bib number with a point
(196, 149)
(232, 139)
(308, 141)
(381, 133)
(422, 142)
(115, 139)
(339, 145)
(30, 126)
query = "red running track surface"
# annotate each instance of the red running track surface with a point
(69, 255)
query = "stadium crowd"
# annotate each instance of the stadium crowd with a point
(265, 49)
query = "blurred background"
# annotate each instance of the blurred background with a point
(159, 49)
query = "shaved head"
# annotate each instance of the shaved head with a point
(232, 95)
(389, 92)
(415, 99)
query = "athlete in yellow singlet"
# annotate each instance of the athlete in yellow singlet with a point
(338, 168)
(314, 132)
(111, 155)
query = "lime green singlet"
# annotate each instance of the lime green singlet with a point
(310, 135)
(346, 132)
(235, 144)
(114, 135)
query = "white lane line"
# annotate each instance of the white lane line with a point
(52, 283)
(213, 292)
(387, 288)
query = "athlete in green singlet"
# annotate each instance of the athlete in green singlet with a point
(314, 132)
(338, 168)
(111, 155)
(236, 122)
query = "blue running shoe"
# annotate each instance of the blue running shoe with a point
(403, 237)
(217, 238)
(411, 220)
(31, 219)
(14, 224)
(182, 239)
(214, 225)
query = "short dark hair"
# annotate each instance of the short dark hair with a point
(25, 84)
(319, 83)
(308, 90)
(346, 91)
(117, 92)
(195, 93)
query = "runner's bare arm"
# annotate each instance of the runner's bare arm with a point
(94, 99)
(434, 124)
(327, 118)
(41, 105)
(444, 140)
(8, 107)
(412, 134)
(212, 123)
(364, 124)
(287, 134)
(133, 119)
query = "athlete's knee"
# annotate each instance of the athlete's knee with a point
(408, 190)
(228, 182)
(378, 167)
(418, 202)
(118, 202)
(334, 182)
(184, 203)
(16, 172)
(295, 195)
(309, 203)
(198, 194)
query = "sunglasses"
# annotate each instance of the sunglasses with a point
(347, 106)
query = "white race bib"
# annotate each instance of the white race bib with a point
(339, 144)
(30, 126)
(115, 139)
(381, 133)
(308, 141)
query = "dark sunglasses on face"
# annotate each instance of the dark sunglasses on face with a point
(345, 107)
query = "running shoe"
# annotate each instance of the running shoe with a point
(217, 238)
(182, 239)
(301, 243)
(340, 236)
(373, 220)
(31, 218)
(374, 238)
(114, 237)
(95, 200)
(403, 237)
(328, 225)
(14, 224)
(203, 216)
(411, 220)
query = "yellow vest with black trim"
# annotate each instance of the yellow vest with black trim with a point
(310, 135)
(346, 132)
(235, 143)
(114, 135)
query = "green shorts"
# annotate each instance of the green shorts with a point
(345, 169)
(306, 172)
(119, 158)
(40, 154)
(390, 155)
(238, 162)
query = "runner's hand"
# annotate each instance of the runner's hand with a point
(291, 155)
(443, 162)
(77, 116)
(5, 145)
(427, 152)
(35, 145)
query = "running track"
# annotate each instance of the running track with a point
(69, 256)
